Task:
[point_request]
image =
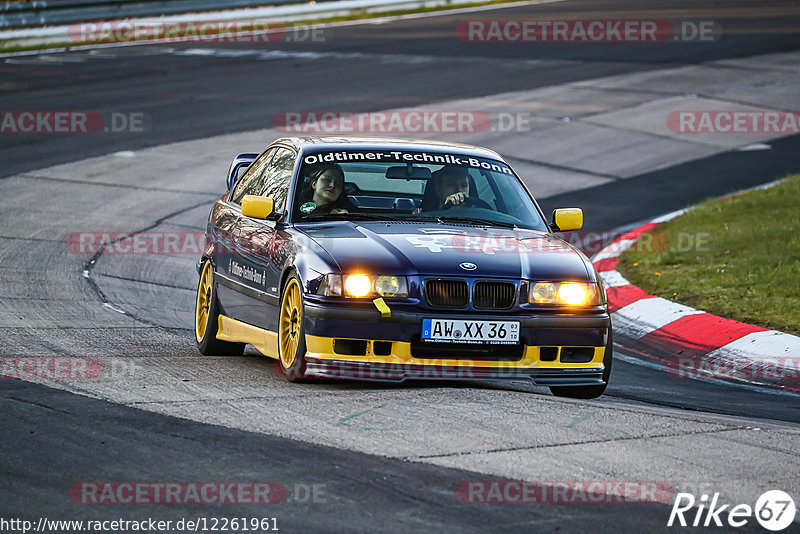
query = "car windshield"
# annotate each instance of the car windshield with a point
(389, 185)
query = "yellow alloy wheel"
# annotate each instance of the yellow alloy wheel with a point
(203, 306)
(290, 321)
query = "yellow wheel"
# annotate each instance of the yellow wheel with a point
(201, 310)
(291, 334)
(206, 318)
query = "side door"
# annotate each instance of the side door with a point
(257, 264)
(232, 293)
(277, 181)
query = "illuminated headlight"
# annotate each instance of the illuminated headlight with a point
(565, 293)
(357, 285)
(364, 285)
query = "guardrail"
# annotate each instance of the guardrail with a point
(52, 12)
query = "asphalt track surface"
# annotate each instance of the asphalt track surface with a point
(401, 64)
(52, 438)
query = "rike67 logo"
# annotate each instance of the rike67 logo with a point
(774, 510)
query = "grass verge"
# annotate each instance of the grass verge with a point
(737, 257)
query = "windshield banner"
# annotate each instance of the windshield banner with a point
(405, 157)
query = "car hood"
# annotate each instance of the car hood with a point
(440, 249)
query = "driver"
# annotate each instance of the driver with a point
(451, 187)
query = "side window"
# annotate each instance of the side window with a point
(278, 176)
(250, 184)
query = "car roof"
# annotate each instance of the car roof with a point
(326, 143)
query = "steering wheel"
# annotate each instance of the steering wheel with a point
(469, 202)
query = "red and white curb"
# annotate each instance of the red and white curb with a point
(694, 344)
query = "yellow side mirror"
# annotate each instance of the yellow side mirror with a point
(257, 207)
(566, 219)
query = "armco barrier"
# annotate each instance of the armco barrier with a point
(40, 13)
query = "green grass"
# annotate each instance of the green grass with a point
(738, 258)
(362, 15)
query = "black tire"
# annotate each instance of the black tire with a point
(590, 392)
(291, 331)
(206, 334)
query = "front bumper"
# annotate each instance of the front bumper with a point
(390, 349)
(324, 319)
(400, 372)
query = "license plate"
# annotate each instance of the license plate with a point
(458, 331)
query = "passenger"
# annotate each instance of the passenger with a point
(450, 186)
(325, 191)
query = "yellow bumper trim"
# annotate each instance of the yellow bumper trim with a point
(322, 348)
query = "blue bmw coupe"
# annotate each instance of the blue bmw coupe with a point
(388, 259)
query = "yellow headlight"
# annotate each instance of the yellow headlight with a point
(572, 293)
(358, 285)
(569, 293)
(543, 292)
(387, 286)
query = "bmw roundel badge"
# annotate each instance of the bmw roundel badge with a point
(469, 266)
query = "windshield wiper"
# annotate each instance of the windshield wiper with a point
(482, 222)
(416, 218)
(345, 216)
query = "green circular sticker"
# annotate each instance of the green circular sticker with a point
(308, 207)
